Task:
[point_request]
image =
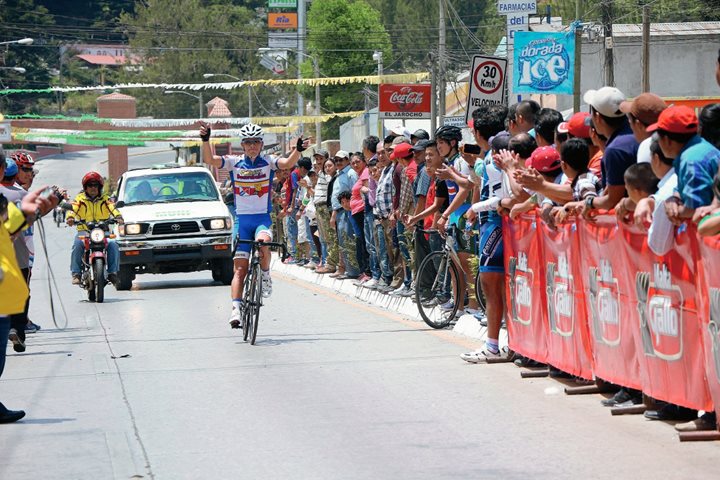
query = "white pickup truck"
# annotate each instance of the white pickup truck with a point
(175, 221)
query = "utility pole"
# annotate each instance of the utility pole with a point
(318, 133)
(301, 54)
(433, 94)
(607, 12)
(646, 49)
(250, 102)
(441, 63)
(577, 86)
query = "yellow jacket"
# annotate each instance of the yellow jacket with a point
(99, 209)
(13, 289)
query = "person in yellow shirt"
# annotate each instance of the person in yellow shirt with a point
(91, 205)
(13, 288)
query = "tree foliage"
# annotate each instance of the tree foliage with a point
(343, 36)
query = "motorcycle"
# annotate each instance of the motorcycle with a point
(93, 276)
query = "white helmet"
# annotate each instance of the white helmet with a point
(251, 131)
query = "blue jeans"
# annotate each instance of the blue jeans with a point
(4, 332)
(402, 244)
(369, 230)
(78, 249)
(386, 269)
(313, 251)
(292, 233)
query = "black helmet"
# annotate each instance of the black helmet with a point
(448, 132)
(420, 134)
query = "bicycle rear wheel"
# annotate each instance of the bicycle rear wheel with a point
(479, 294)
(437, 290)
(256, 289)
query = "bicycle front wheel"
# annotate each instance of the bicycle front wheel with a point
(254, 315)
(248, 310)
(437, 290)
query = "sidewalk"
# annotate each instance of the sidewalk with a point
(466, 325)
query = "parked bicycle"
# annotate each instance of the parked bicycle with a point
(252, 290)
(440, 290)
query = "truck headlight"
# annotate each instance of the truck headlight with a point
(217, 224)
(132, 229)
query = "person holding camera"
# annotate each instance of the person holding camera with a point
(13, 287)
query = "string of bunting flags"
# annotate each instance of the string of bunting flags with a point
(180, 122)
(310, 82)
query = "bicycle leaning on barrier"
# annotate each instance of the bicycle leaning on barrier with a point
(440, 289)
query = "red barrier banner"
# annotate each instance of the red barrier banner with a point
(663, 309)
(606, 287)
(568, 341)
(525, 286)
(708, 281)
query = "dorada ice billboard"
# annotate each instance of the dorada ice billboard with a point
(543, 63)
(404, 100)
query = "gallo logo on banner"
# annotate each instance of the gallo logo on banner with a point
(404, 100)
(282, 20)
(543, 63)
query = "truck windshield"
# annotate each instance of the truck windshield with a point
(170, 187)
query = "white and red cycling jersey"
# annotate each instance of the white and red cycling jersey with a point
(252, 182)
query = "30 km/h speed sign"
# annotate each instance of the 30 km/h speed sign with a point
(487, 83)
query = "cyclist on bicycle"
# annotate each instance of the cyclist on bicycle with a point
(251, 175)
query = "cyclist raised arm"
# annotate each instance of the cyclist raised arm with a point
(251, 176)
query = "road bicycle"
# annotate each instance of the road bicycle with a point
(252, 291)
(437, 288)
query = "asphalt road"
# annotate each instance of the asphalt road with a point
(153, 384)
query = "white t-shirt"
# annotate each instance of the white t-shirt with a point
(661, 235)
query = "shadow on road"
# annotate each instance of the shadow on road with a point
(162, 285)
(45, 421)
(31, 354)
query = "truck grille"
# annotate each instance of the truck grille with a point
(171, 228)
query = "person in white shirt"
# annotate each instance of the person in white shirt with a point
(650, 211)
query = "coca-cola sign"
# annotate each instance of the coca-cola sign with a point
(404, 100)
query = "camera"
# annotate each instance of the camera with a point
(472, 149)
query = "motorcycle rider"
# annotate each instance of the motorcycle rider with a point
(91, 205)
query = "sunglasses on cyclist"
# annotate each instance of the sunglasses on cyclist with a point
(26, 169)
(252, 142)
(92, 185)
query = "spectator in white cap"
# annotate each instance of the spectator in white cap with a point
(621, 149)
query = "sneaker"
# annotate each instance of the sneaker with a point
(336, 274)
(398, 292)
(31, 327)
(480, 317)
(704, 423)
(447, 306)
(112, 278)
(622, 396)
(289, 261)
(409, 292)
(371, 284)
(18, 344)
(361, 279)
(266, 286)
(480, 356)
(236, 318)
(311, 265)
(76, 279)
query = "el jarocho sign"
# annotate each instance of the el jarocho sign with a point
(404, 100)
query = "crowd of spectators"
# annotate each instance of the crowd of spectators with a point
(365, 216)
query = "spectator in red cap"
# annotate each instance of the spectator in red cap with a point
(403, 155)
(546, 161)
(695, 159)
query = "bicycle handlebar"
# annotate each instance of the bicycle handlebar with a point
(258, 244)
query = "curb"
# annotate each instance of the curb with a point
(466, 325)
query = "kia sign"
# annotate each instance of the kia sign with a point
(487, 83)
(404, 100)
(282, 20)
